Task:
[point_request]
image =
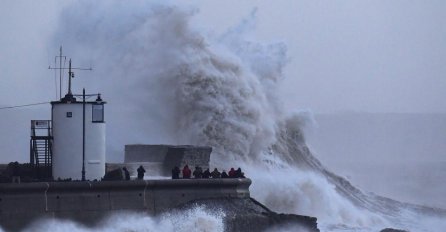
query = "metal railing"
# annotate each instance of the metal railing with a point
(41, 147)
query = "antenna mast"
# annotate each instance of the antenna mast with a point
(70, 72)
(60, 56)
(60, 72)
(70, 75)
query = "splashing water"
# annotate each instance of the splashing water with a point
(195, 219)
(219, 91)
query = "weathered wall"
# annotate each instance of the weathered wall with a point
(144, 153)
(191, 155)
(88, 202)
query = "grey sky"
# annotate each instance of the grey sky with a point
(375, 56)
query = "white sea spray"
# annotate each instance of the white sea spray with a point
(194, 219)
(188, 88)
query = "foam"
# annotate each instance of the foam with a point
(194, 219)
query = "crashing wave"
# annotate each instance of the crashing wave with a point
(221, 91)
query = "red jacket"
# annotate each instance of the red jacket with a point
(186, 172)
(231, 173)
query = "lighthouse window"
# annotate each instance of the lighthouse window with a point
(69, 114)
(98, 113)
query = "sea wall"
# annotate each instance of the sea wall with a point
(88, 202)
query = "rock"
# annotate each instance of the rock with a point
(115, 174)
(393, 230)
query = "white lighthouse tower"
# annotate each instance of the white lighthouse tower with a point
(78, 149)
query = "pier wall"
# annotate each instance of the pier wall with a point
(88, 202)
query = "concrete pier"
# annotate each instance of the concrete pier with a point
(88, 202)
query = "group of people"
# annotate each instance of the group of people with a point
(187, 173)
(140, 171)
(198, 173)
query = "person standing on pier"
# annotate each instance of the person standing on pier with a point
(186, 172)
(215, 173)
(176, 173)
(224, 174)
(141, 172)
(126, 173)
(231, 173)
(206, 174)
(198, 173)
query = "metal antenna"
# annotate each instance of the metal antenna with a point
(60, 71)
(60, 57)
(70, 75)
(70, 72)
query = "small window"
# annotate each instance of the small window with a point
(69, 114)
(98, 113)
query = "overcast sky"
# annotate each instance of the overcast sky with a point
(374, 56)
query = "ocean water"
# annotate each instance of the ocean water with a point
(195, 219)
(401, 156)
(418, 183)
(190, 86)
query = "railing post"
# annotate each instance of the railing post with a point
(31, 157)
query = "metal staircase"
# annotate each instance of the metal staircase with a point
(41, 148)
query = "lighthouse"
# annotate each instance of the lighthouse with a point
(78, 131)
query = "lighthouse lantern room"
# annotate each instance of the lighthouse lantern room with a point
(78, 136)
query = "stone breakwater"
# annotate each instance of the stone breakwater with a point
(89, 202)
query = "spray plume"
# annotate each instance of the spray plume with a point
(220, 91)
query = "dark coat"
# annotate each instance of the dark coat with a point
(206, 174)
(176, 173)
(224, 175)
(238, 173)
(215, 174)
(198, 173)
(126, 173)
(141, 172)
